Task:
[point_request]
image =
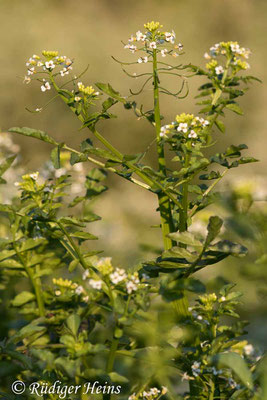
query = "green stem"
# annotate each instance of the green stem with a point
(36, 283)
(73, 244)
(112, 354)
(164, 202)
(184, 210)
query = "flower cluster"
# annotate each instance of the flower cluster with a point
(153, 39)
(87, 90)
(151, 394)
(112, 276)
(234, 54)
(187, 125)
(48, 62)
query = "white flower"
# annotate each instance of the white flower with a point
(85, 274)
(86, 299)
(142, 60)
(132, 397)
(38, 109)
(248, 349)
(153, 45)
(49, 65)
(131, 287)
(79, 290)
(131, 47)
(34, 176)
(57, 292)
(192, 135)
(219, 70)
(215, 371)
(95, 284)
(195, 368)
(164, 52)
(45, 87)
(207, 56)
(118, 276)
(182, 127)
(64, 71)
(77, 98)
(31, 71)
(170, 36)
(235, 47)
(40, 63)
(179, 46)
(222, 299)
(140, 36)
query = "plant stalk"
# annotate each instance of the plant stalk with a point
(163, 199)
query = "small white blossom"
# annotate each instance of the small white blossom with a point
(170, 37)
(31, 71)
(140, 36)
(95, 284)
(45, 86)
(131, 47)
(215, 371)
(219, 70)
(207, 56)
(192, 135)
(85, 274)
(164, 52)
(249, 349)
(182, 127)
(64, 71)
(195, 368)
(38, 109)
(34, 176)
(142, 60)
(49, 65)
(79, 290)
(153, 45)
(77, 98)
(118, 276)
(57, 292)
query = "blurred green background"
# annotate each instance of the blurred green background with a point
(90, 31)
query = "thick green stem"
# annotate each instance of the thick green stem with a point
(164, 202)
(184, 209)
(36, 283)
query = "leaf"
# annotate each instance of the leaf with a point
(186, 238)
(235, 108)
(106, 88)
(108, 103)
(30, 244)
(23, 298)
(209, 176)
(73, 323)
(84, 236)
(117, 378)
(237, 364)
(220, 125)
(10, 263)
(34, 133)
(6, 164)
(55, 157)
(214, 227)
